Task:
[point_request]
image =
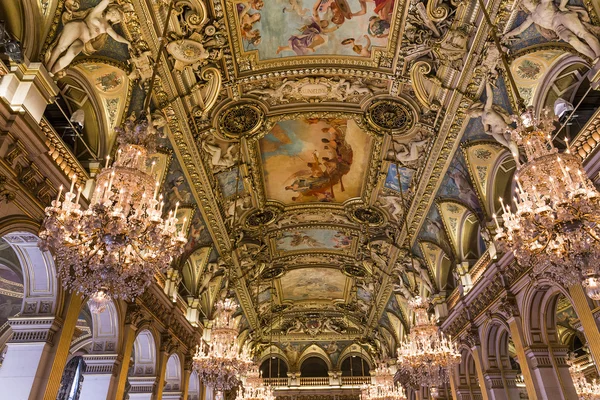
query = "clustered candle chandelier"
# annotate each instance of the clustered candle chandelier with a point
(114, 248)
(555, 226)
(585, 390)
(382, 385)
(221, 363)
(427, 355)
(253, 387)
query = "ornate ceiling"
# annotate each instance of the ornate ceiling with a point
(327, 156)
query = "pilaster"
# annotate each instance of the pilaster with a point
(588, 322)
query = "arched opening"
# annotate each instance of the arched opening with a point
(72, 379)
(142, 371)
(355, 366)
(274, 367)
(173, 374)
(468, 384)
(194, 387)
(11, 281)
(314, 367)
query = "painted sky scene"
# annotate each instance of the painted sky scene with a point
(314, 283)
(314, 160)
(286, 28)
(306, 239)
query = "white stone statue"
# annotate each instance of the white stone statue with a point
(220, 158)
(85, 35)
(406, 152)
(495, 121)
(394, 205)
(566, 22)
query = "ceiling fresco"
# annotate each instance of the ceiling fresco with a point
(314, 160)
(330, 158)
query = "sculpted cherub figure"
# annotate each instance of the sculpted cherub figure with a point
(566, 22)
(85, 35)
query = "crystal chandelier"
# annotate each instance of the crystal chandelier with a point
(382, 385)
(427, 355)
(253, 387)
(221, 363)
(555, 226)
(114, 248)
(585, 390)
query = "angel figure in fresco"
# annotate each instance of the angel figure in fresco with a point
(361, 50)
(299, 239)
(297, 6)
(247, 22)
(495, 121)
(571, 24)
(314, 33)
(86, 35)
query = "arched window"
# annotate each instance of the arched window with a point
(314, 367)
(72, 379)
(355, 366)
(273, 367)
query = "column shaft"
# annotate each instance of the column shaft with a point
(516, 332)
(479, 369)
(117, 383)
(588, 322)
(48, 379)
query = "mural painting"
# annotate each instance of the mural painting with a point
(314, 160)
(313, 283)
(227, 181)
(287, 28)
(391, 179)
(313, 239)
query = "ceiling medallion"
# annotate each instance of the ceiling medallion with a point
(273, 273)
(367, 215)
(354, 271)
(258, 218)
(240, 120)
(390, 115)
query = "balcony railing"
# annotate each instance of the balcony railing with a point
(318, 381)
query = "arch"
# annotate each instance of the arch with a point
(315, 351)
(314, 366)
(355, 365)
(105, 331)
(468, 386)
(273, 350)
(274, 367)
(40, 284)
(144, 354)
(538, 305)
(495, 344)
(194, 387)
(173, 374)
(355, 350)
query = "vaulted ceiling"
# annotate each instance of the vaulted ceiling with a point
(324, 154)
